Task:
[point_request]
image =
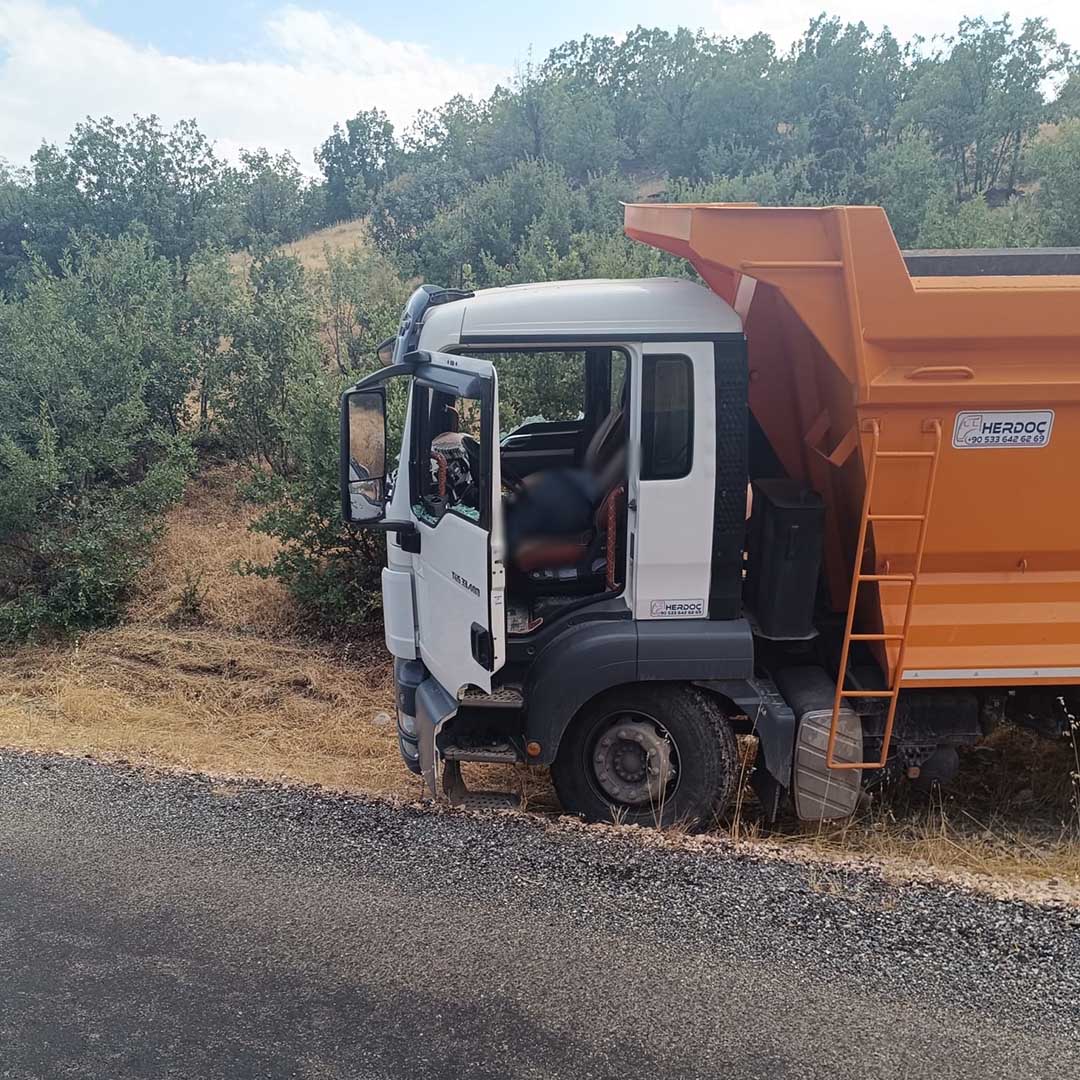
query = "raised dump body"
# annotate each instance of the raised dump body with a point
(959, 396)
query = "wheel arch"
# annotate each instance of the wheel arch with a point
(576, 667)
(600, 654)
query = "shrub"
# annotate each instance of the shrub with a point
(976, 224)
(332, 571)
(1056, 159)
(91, 401)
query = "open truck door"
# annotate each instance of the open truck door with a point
(456, 502)
(454, 524)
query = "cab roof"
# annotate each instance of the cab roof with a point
(594, 309)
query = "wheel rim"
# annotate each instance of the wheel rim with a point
(632, 761)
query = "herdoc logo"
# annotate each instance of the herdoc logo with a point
(995, 430)
(676, 609)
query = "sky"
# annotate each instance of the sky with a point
(264, 73)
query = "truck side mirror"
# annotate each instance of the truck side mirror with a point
(363, 456)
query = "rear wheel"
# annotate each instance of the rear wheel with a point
(648, 754)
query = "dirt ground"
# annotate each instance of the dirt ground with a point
(212, 674)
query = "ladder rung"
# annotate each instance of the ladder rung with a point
(867, 693)
(877, 637)
(905, 454)
(895, 517)
(887, 577)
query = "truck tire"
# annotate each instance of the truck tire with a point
(648, 754)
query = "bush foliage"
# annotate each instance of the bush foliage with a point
(92, 391)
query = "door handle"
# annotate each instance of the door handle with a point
(482, 651)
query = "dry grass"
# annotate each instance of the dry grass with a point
(1010, 815)
(206, 700)
(311, 249)
(206, 675)
(193, 577)
(950, 841)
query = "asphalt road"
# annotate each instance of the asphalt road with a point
(162, 927)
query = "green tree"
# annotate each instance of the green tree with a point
(110, 177)
(455, 137)
(673, 73)
(332, 571)
(784, 186)
(584, 142)
(359, 298)
(276, 402)
(1067, 102)
(273, 350)
(407, 204)
(16, 212)
(836, 140)
(356, 162)
(523, 118)
(981, 99)
(599, 64)
(216, 306)
(903, 177)
(976, 224)
(870, 75)
(740, 110)
(88, 456)
(492, 220)
(276, 204)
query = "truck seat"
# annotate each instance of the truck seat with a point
(605, 456)
(580, 560)
(557, 530)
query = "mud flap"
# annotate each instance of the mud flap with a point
(434, 706)
(821, 793)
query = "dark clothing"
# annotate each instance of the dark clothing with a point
(556, 502)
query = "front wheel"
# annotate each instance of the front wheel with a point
(648, 754)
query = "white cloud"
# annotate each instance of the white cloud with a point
(786, 21)
(57, 68)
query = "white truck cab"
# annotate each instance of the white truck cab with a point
(565, 564)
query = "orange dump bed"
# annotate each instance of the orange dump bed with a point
(852, 360)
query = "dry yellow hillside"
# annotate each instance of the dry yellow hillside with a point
(311, 249)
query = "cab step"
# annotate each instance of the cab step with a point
(457, 794)
(474, 748)
(502, 697)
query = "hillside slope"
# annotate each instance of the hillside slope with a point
(311, 249)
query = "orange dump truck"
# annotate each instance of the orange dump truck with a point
(583, 588)
(938, 417)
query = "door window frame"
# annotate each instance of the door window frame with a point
(476, 388)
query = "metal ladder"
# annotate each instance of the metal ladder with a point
(858, 578)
